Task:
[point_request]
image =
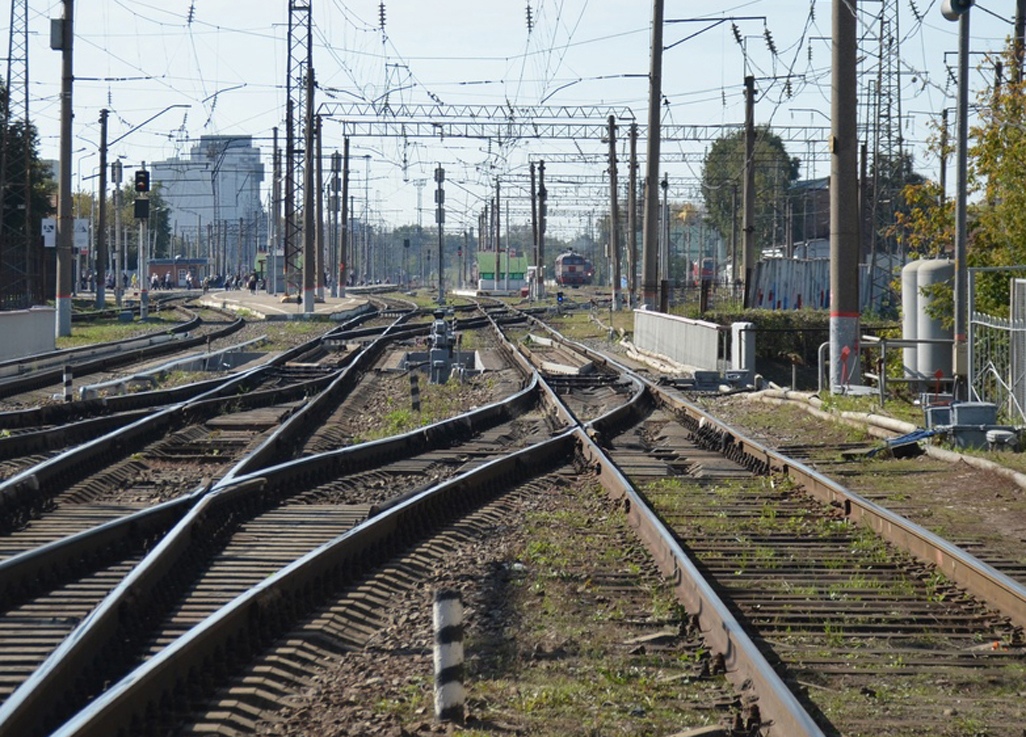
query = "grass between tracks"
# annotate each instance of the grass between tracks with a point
(569, 660)
(437, 402)
(880, 689)
(104, 331)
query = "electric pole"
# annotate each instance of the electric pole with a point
(543, 209)
(65, 219)
(614, 218)
(748, 191)
(632, 218)
(650, 240)
(101, 221)
(309, 232)
(319, 214)
(343, 275)
(534, 235)
(498, 233)
(440, 219)
(844, 201)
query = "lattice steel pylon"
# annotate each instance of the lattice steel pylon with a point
(881, 107)
(299, 63)
(17, 277)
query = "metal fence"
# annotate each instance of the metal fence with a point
(997, 354)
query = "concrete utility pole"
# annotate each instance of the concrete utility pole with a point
(498, 233)
(319, 215)
(534, 234)
(632, 219)
(65, 219)
(844, 201)
(748, 190)
(958, 10)
(440, 219)
(120, 258)
(309, 234)
(101, 220)
(943, 156)
(664, 250)
(333, 206)
(273, 236)
(650, 239)
(343, 274)
(614, 218)
(543, 208)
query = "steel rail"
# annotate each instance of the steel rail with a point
(28, 492)
(254, 618)
(201, 520)
(746, 666)
(68, 411)
(18, 366)
(977, 577)
(46, 376)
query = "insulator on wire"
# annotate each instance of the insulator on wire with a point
(769, 40)
(530, 19)
(737, 34)
(381, 15)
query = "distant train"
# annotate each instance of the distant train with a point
(573, 270)
(704, 270)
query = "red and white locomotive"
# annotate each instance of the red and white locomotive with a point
(573, 269)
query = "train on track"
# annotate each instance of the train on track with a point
(573, 270)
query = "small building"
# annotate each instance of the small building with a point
(180, 269)
(512, 272)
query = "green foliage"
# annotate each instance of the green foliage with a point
(723, 174)
(782, 334)
(997, 160)
(997, 209)
(22, 138)
(925, 228)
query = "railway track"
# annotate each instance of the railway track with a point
(310, 508)
(40, 379)
(822, 628)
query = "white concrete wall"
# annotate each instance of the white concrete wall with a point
(693, 343)
(27, 332)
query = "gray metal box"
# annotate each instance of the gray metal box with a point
(937, 415)
(974, 413)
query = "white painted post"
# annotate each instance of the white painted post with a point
(449, 692)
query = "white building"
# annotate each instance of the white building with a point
(214, 197)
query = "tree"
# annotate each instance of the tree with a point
(21, 255)
(723, 177)
(885, 202)
(997, 199)
(997, 160)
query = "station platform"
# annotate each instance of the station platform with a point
(273, 307)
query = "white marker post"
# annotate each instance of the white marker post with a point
(449, 692)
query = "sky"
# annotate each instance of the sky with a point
(227, 62)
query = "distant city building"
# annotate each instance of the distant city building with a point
(214, 198)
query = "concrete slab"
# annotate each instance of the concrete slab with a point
(273, 307)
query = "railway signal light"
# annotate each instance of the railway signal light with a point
(141, 209)
(559, 297)
(142, 180)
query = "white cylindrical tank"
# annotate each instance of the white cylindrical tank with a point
(910, 315)
(933, 357)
